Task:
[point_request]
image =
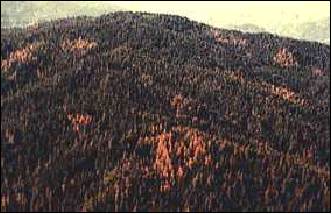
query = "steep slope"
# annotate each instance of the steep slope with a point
(154, 112)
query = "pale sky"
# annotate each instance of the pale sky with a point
(219, 14)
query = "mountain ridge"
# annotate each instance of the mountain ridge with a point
(165, 109)
(24, 13)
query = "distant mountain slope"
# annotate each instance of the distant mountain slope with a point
(22, 13)
(310, 31)
(247, 28)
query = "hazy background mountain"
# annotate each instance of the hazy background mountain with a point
(22, 13)
(247, 28)
(311, 31)
(302, 20)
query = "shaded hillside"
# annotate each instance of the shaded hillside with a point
(142, 112)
